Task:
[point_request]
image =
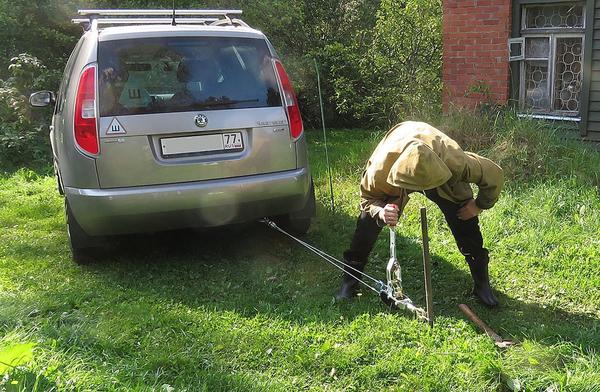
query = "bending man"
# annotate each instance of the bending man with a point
(416, 157)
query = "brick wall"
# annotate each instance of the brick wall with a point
(475, 61)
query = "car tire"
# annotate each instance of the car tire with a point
(298, 226)
(59, 186)
(299, 222)
(81, 244)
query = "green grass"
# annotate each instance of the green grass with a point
(249, 310)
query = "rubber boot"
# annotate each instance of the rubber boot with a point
(481, 279)
(350, 284)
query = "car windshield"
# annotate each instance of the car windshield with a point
(158, 75)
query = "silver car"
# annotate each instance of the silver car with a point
(167, 122)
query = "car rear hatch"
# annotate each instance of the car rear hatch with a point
(182, 109)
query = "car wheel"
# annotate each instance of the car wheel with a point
(299, 222)
(59, 187)
(298, 226)
(81, 244)
(58, 180)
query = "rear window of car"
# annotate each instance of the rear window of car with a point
(159, 75)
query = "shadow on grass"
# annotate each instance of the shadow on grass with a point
(254, 270)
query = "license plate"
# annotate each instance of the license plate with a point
(203, 143)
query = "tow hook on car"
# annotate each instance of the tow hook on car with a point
(390, 291)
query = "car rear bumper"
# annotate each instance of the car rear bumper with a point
(194, 204)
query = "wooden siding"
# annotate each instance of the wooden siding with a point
(591, 75)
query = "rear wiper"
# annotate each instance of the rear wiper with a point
(211, 104)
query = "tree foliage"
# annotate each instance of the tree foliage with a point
(23, 131)
(380, 60)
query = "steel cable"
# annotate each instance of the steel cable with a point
(331, 260)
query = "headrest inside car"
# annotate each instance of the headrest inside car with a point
(197, 71)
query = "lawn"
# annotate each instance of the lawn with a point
(246, 309)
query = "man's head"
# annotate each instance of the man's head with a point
(418, 168)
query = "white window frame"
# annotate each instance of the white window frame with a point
(520, 41)
(524, 27)
(553, 34)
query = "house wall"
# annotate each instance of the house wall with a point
(475, 60)
(590, 126)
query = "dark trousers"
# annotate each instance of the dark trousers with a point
(466, 233)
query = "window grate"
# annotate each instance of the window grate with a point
(536, 76)
(551, 70)
(563, 16)
(567, 85)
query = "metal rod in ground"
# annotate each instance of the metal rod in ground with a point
(324, 135)
(427, 266)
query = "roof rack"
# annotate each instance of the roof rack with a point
(93, 18)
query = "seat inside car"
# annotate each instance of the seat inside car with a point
(200, 79)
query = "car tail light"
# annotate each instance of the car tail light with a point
(290, 101)
(86, 132)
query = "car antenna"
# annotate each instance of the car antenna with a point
(324, 136)
(173, 21)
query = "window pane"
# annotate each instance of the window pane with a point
(537, 94)
(567, 84)
(515, 48)
(158, 75)
(554, 16)
(537, 48)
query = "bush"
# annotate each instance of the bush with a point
(379, 60)
(528, 150)
(41, 28)
(24, 130)
(399, 72)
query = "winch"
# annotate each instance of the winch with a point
(391, 291)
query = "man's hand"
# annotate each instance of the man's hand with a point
(468, 210)
(389, 214)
